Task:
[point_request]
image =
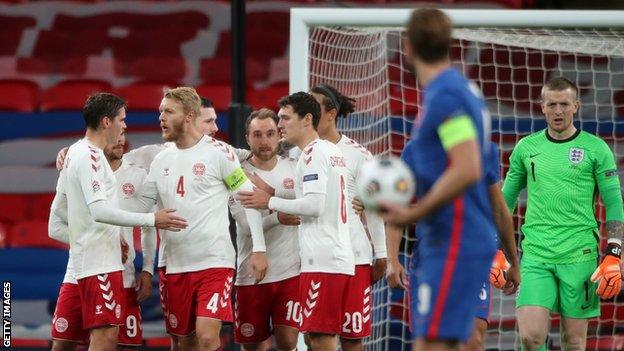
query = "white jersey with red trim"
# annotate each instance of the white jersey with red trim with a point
(87, 177)
(324, 240)
(355, 155)
(129, 180)
(144, 155)
(282, 242)
(193, 181)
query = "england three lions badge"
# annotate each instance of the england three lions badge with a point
(576, 155)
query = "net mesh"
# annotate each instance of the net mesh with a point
(510, 66)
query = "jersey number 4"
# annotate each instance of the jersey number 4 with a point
(180, 186)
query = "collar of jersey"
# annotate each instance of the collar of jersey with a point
(578, 131)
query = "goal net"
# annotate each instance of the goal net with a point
(510, 64)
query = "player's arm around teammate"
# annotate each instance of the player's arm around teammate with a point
(326, 256)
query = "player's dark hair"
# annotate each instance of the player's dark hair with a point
(206, 103)
(561, 83)
(333, 99)
(100, 105)
(261, 114)
(429, 33)
(303, 103)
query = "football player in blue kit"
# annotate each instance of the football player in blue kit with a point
(454, 213)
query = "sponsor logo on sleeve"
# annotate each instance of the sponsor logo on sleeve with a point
(611, 173)
(310, 177)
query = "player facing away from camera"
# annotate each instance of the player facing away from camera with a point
(453, 212)
(503, 275)
(67, 330)
(369, 247)
(197, 176)
(563, 169)
(273, 305)
(87, 190)
(325, 248)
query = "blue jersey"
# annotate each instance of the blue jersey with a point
(492, 165)
(466, 223)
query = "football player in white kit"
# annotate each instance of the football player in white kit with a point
(67, 328)
(87, 198)
(325, 248)
(367, 250)
(143, 157)
(197, 177)
(272, 306)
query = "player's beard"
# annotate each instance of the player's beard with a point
(264, 153)
(175, 132)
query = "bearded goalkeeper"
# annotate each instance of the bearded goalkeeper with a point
(563, 168)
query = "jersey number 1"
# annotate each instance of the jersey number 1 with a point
(343, 201)
(180, 186)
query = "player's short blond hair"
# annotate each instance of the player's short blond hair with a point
(187, 97)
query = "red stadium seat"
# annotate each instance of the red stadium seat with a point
(33, 234)
(76, 65)
(4, 234)
(40, 206)
(267, 97)
(158, 69)
(13, 208)
(70, 95)
(262, 45)
(218, 70)
(33, 65)
(18, 96)
(143, 96)
(221, 95)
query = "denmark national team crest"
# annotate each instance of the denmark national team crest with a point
(289, 183)
(199, 169)
(576, 155)
(128, 189)
(247, 330)
(61, 325)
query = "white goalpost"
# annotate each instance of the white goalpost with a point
(510, 54)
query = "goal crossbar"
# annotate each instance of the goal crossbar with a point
(302, 19)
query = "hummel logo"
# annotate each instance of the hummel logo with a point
(531, 156)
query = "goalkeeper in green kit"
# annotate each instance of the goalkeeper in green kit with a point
(563, 168)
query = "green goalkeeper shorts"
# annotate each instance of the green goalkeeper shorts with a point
(563, 288)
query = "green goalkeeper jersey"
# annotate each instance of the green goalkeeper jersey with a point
(562, 178)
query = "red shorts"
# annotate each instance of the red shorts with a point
(102, 299)
(67, 321)
(204, 293)
(358, 303)
(131, 332)
(322, 297)
(162, 289)
(260, 306)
